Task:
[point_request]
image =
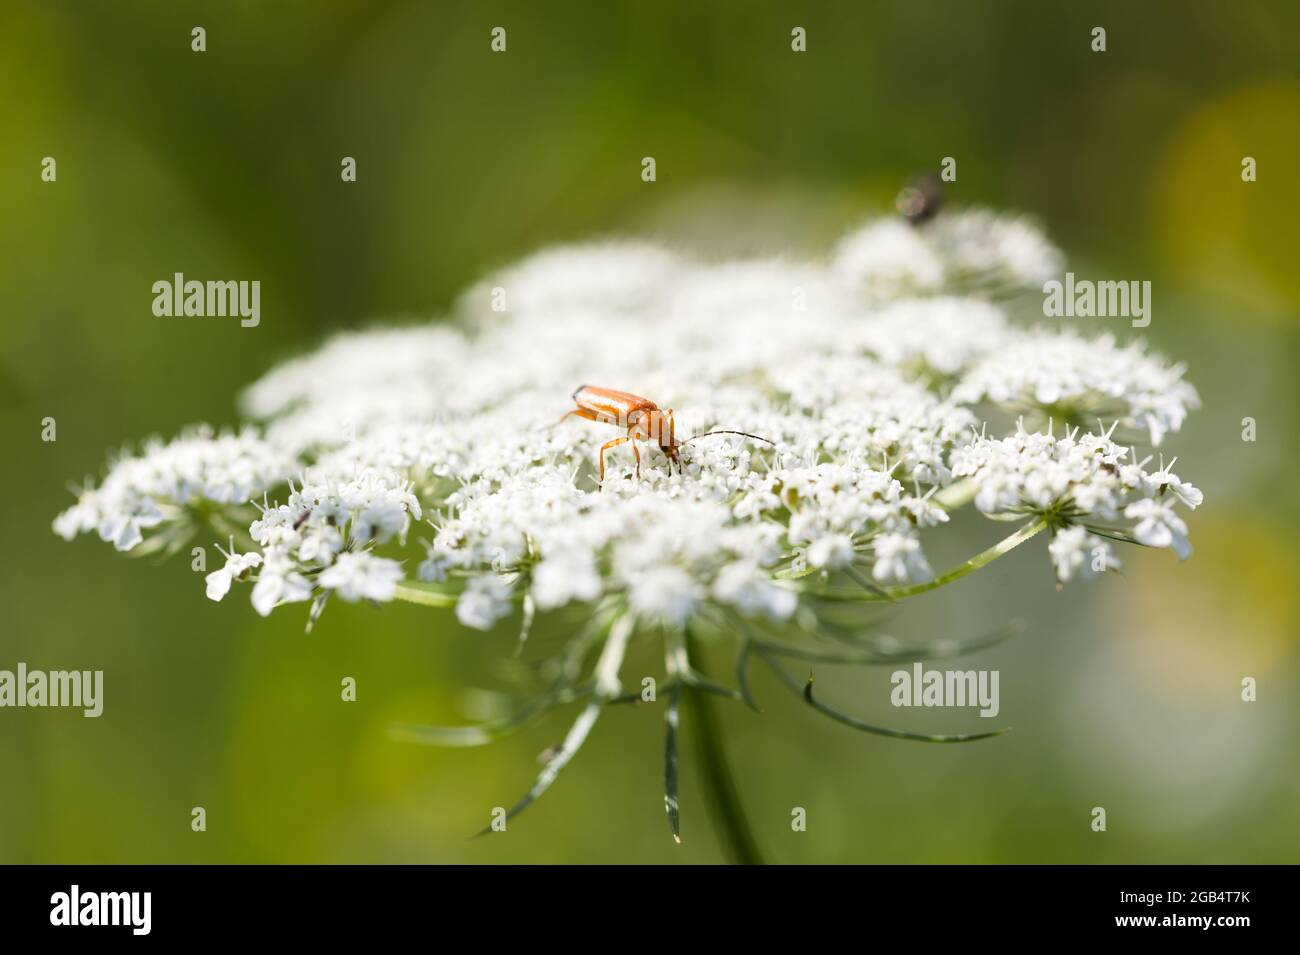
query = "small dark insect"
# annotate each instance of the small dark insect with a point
(641, 418)
(301, 519)
(920, 199)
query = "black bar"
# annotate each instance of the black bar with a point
(334, 903)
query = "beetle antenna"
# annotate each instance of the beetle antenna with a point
(744, 434)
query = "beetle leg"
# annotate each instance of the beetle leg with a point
(580, 412)
(672, 443)
(605, 447)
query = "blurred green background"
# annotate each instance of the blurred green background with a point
(1123, 693)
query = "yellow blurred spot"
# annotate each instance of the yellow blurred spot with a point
(1196, 628)
(1231, 239)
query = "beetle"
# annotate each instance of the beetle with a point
(642, 419)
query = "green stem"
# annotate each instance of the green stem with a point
(981, 559)
(725, 805)
(417, 592)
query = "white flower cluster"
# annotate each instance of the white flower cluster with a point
(869, 373)
(1084, 481)
(326, 530)
(199, 468)
(1087, 378)
(890, 257)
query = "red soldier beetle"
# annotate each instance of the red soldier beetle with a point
(643, 420)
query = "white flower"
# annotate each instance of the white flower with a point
(898, 558)
(833, 550)
(664, 594)
(982, 242)
(570, 575)
(236, 566)
(945, 334)
(433, 569)
(199, 466)
(891, 257)
(1158, 526)
(278, 583)
(1077, 477)
(745, 586)
(1094, 376)
(362, 576)
(484, 601)
(888, 257)
(380, 521)
(1189, 494)
(123, 529)
(1074, 550)
(81, 518)
(604, 276)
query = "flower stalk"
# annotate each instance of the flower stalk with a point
(723, 797)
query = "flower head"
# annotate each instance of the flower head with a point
(878, 383)
(870, 395)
